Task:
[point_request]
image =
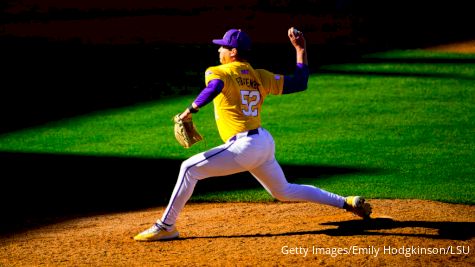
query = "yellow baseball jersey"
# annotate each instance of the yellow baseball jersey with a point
(238, 107)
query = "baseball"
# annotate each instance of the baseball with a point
(296, 32)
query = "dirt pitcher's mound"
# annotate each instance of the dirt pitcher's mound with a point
(461, 47)
(404, 233)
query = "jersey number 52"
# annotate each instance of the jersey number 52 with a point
(249, 100)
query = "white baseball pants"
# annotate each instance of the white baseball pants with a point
(253, 153)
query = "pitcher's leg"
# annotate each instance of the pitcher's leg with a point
(215, 162)
(271, 176)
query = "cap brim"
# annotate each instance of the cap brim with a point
(219, 42)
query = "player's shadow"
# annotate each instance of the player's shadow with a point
(373, 227)
(444, 230)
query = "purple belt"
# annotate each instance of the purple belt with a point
(249, 133)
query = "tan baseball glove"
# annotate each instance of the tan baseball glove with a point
(185, 132)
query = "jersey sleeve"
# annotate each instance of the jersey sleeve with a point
(272, 83)
(213, 73)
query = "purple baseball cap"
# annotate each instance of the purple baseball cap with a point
(236, 39)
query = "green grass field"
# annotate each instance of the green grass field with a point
(409, 116)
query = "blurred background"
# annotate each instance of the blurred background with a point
(64, 58)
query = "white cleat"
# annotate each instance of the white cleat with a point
(157, 233)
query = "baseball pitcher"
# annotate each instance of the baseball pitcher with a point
(238, 91)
